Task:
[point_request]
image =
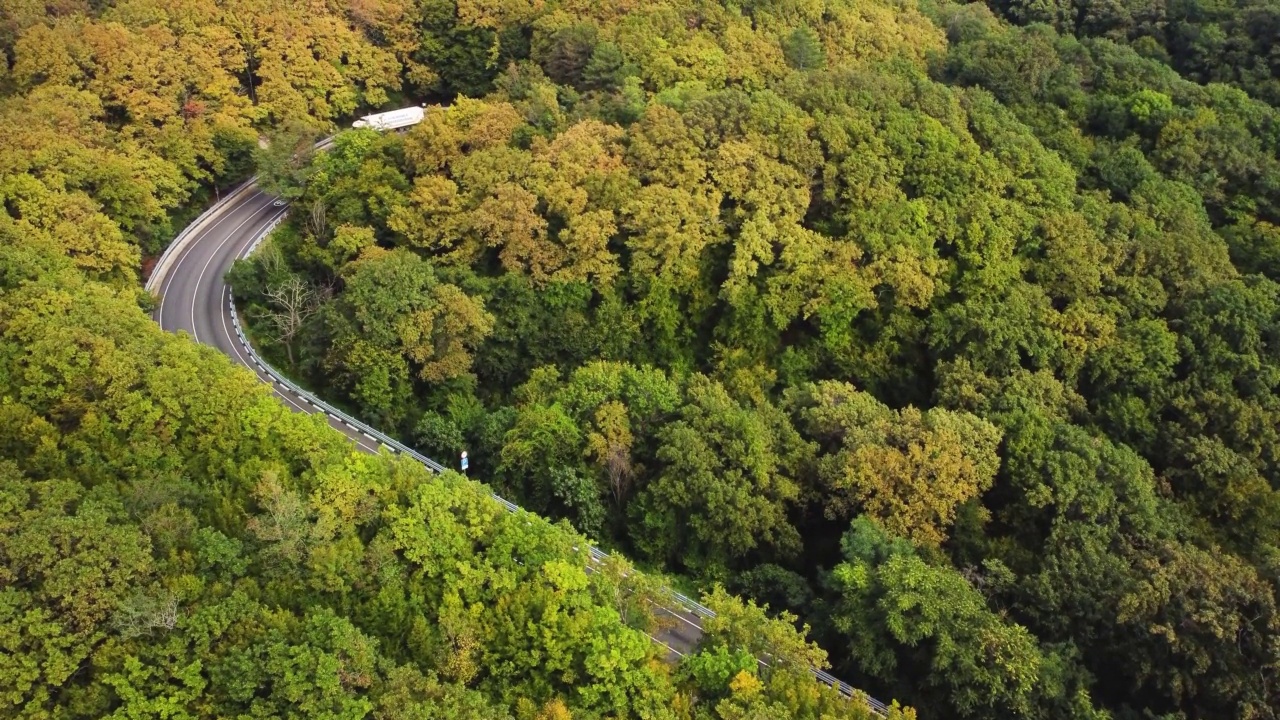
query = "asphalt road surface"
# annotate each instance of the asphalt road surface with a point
(195, 299)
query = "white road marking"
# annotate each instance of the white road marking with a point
(241, 356)
(676, 614)
(195, 293)
(173, 271)
(664, 644)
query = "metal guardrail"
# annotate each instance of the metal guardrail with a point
(597, 555)
(161, 268)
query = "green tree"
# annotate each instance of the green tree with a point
(284, 165)
(902, 617)
(908, 471)
(723, 485)
(803, 48)
(395, 323)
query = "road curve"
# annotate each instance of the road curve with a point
(194, 298)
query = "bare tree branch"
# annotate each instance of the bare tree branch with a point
(316, 221)
(142, 614)
(292, 301)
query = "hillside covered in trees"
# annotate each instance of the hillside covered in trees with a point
(952, 329)
(174, 543)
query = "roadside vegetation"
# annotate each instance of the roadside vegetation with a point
(955, 336)
(174, 542)
(951, 330)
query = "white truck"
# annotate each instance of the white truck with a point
(392, 119)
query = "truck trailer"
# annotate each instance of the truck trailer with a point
(392, 119)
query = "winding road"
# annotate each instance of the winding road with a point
(195, 299)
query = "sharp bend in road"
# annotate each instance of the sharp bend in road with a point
(195, 298)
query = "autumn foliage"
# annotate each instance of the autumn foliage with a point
(947, 330)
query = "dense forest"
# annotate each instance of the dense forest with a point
(952, 330)
(174, 543)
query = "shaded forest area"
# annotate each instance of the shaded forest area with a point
(952, 329)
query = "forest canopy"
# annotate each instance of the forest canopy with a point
(953, 330)
(173, 541)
